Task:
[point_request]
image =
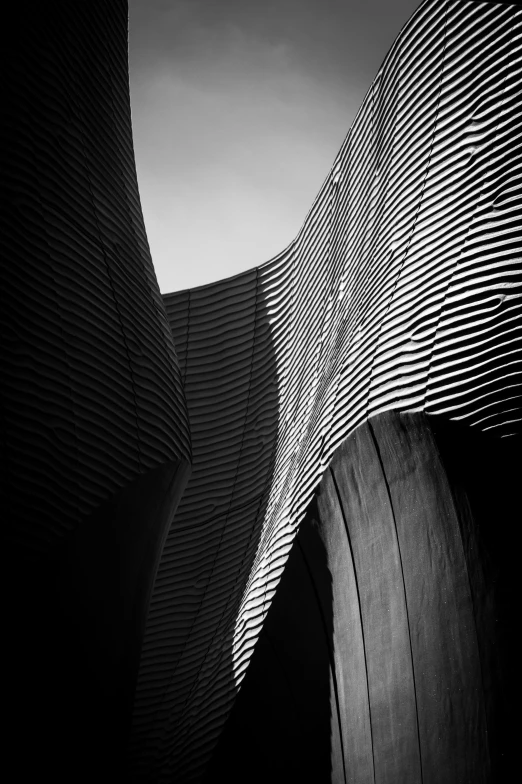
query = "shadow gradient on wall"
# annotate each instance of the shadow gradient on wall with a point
(393, 623)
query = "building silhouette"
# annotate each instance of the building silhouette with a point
(263, 522)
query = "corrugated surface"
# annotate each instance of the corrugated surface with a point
(91, 393)
(403, 290)
(230, 379)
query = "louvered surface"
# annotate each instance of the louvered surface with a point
(402, 291)
(91, 392)
(229, 373)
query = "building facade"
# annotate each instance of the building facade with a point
(282, 391)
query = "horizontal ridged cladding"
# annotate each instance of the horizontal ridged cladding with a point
(454, 269)
(91, 390)
(230, 380)
(401, 291)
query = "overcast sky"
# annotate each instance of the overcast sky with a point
(238, 109)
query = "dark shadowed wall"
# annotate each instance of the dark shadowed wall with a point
(225, 347)
(91, 391)
(95, 443)
(400, 591)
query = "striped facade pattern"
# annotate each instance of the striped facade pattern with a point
(91, 392)
(403, 290)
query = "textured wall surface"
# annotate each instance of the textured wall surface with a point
(91, 394)
(91, 400)
(389, 648)
(403, 290)
(230, 380)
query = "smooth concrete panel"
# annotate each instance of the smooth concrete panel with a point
(353, 762)
(371, 527)
(446, 664)
(484, 473)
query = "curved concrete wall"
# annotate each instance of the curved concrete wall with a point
(389, 649)
(407, 663)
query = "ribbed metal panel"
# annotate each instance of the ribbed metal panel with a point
(403, 290)
(91, 393)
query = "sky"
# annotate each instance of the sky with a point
(239, 108)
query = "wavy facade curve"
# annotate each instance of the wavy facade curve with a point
(91, 391)
(402, 291)
(401, 296)
(95, 441)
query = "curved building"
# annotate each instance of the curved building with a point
(326, 594)
(95, 433)
(401, 292)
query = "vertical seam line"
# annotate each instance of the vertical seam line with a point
(379, 457)
(360, 614)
